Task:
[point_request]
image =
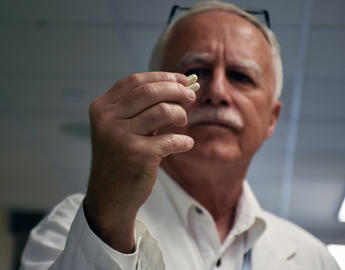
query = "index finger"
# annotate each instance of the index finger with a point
(138, 79)
(124, 86)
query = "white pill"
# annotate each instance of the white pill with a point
(194, 86)
(191, 79)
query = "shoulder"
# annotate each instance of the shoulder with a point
(67, 209)
(62, 215)
(279, 226)
(304, 248)
(48, 238)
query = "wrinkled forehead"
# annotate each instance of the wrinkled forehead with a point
(207, 30)
(213, 20)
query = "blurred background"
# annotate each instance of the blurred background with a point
(57, 56)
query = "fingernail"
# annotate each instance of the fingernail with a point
(191, 79)
(194, 86)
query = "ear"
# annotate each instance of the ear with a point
(275, 112)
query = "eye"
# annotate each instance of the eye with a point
(200, 72)
(240, 77)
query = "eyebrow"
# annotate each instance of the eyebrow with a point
(248, 64)
(192, 57)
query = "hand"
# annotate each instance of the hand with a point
(125, 152)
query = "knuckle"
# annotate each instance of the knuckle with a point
(135, 79)
(164, 109)
(180, 89)
(100, 118)
(117, 86)
(93, 107)
(150, 91)
(120, 83)
(164, 76)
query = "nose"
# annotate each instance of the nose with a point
(216, 92)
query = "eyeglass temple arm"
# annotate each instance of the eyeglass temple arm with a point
(259, 11)
(173, 11)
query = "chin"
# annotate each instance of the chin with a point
(216, 152)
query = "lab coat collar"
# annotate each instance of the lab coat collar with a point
(274, 244)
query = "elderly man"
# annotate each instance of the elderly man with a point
(196, 211)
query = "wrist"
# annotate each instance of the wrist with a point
(115, 228)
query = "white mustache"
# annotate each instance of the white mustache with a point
(224, 116)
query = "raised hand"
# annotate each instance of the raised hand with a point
(126, 152)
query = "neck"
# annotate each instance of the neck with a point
(215, 186)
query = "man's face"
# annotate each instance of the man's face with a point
(235, 110)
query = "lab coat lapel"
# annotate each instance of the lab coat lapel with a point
(273, 254)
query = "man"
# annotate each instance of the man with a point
(199, 213)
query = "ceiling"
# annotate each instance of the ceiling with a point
(57, 56)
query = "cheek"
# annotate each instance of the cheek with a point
(254, 110)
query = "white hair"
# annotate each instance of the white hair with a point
(158, 51)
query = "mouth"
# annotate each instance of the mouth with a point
(217, 124)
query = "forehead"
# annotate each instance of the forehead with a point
(208, 31)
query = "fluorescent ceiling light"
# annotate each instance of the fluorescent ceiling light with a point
(338, 252)
(341, 214)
